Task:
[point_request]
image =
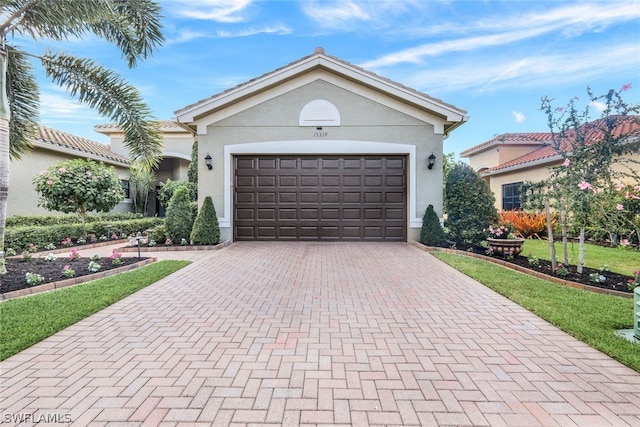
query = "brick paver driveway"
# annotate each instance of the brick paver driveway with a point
(318, 333)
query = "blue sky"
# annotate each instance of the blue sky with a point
(495, 59)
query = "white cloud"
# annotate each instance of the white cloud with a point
(275, 29)
(227, 11)
(334, 13)
(598, 106)
(349, 15)
(518, 116)
(56, 107)
(567, 21)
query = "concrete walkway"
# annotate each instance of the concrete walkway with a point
(317, 334)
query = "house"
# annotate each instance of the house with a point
(507, 160)
(321, 149)
(177, 142)
(50, 147)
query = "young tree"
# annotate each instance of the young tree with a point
(178, 221)
(431, 233)
(469, 205)
(206, 228)
(132, 25)
(192, 170)
(590, 148)
(79, 186)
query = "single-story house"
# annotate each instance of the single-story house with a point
(52, 146)
(321, 149)
(507, 160)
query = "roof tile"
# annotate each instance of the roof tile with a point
(73, 142)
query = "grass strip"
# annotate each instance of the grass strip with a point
(623, 261)
(27, 321)
(588, 316)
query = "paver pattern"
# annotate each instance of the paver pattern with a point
(317, 334)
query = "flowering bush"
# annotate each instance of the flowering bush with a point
(561, 270)
(81, 241)
(115, 257)
(184, 242)
(50, 246)
(501, 232)
(34, 279)
(50, 257)
(68, 271)
(9, 251)
(74, 255)
(33, 248)
(168, 242)
(114, 236)
(66, 242)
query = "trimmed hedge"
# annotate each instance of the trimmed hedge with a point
(19, 238)
(31, 220)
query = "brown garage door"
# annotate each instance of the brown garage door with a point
(327, 197)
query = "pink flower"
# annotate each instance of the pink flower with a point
(584, 185)
(49, 182)
(62, 170)
(560, 109)
(624, 242)
(626, 87)
(619, 207)
(66, 267)
(637, 188)
(627, 195)
(88, 173)
(566, 162)
(42, 172)
(619, 186)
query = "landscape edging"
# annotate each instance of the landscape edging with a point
(73, 280)
(524, 270)
(175, 248)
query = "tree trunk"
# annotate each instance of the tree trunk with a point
(5, 115)
(581, 251)
(565, 236)
(552, 248)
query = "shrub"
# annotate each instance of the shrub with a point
(526, 224)
(431, 233)
(169, 188)
(206, 229)
(469, 205)
(178, 220)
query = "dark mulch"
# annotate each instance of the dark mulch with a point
(612, 281)
(15, 278)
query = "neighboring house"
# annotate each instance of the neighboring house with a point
(50, 147)
(177, 142)
(321, 149)
(508, 160)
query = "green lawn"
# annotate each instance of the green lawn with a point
(623, 261)
(588, 316)
(27, 321)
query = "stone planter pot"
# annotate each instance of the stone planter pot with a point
(505, 246)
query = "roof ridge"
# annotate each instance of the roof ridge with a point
(53, 136)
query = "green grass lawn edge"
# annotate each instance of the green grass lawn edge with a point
(29, 320)
(588, 316)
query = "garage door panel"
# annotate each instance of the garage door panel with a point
(320, 197)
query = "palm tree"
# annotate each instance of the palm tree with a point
(132, 25)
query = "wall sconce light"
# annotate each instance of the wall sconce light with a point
(432, 160)
(208, 160)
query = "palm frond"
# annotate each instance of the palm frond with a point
(111, 96)
(23, 94)
(132, 25)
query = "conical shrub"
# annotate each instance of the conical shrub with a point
(432, 233)
(206, 229)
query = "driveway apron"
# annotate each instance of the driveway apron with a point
(317, 334)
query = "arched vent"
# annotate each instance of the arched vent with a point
(319, 113)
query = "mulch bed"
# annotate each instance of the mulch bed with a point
(613, 281)
(51, 271)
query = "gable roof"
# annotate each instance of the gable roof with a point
(168, 126)
(518, 139)
(319, 60)
(546, 154)
(65, 142)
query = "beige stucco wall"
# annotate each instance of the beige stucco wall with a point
(23, 198)
(497, 155)
(365, 125)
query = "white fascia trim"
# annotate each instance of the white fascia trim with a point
(279, 77)
(78, 153)
(437, 122)
(541, 162)
(314, 147)
(176, 154)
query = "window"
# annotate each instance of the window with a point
(125, 188)
(511, 196)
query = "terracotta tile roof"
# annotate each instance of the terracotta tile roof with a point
(66, 140)
(593, 131)
(530, 138)
(165, 125)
